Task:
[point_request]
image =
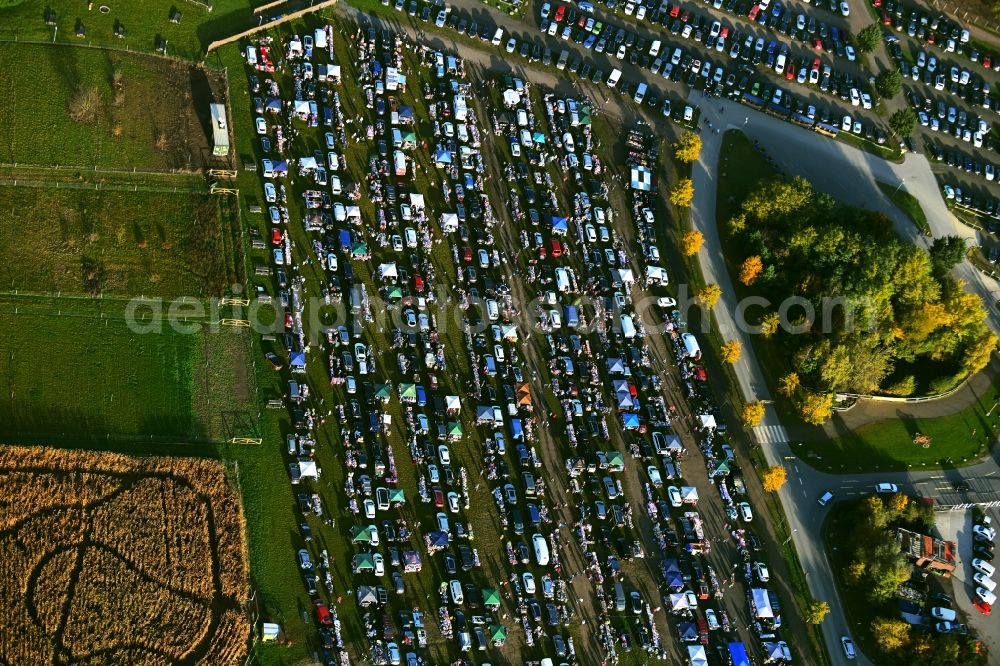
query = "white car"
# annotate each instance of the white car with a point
(984, 566)
(984, 581)
(987, 596)
(379, 564)
(621, 52)
(369, 505)
(453, 502)
(763, 575)
(845, 10)
(654, 476)
(849, 50)
(529, 582)
(270, 194)
(261, 125)
(745, 512)
(455, 588)
(886, 488)
(985, 532)
(511, 45)
(848, 645)
(444, 455)
(674, 493)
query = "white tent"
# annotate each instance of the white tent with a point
(449, 222)
(656, 274)
(689, 494)
(388, 271)
(707, 421)
(392, 78)
(302, 106)
(678, 601)
(308, 164)
(697, 656)
(308, 470)
(270, 632)
(509, 332)
(511, 97)
(453, 403)
(761, 603)
(354, 213)
(691, 346)
(674, 443)
(417, 200)
(622, 276)
(642, 178)
(295, 47)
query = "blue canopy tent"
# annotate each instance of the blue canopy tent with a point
(538, 137)
(298, 361)
(442, 156)
(630, 421)
(560, 225)
(516, 430)
(738, 654)
(688, 632)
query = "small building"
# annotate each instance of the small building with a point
(220, 130)
(926, 551)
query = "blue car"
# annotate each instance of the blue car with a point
(589, 42)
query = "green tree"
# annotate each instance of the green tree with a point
(889, 83)
(868, 38)
(946, 253)
(887, 569)
(903, 121)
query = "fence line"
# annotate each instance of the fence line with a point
(269, 5)
(16, 39)
(64, 185)
(889, 398)
(287, 18)
(173, 171)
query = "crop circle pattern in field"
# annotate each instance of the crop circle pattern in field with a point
(116, 566)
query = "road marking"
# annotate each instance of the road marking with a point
(800, 481)
(770, 434)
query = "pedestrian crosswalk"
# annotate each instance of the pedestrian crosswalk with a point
(770, 434)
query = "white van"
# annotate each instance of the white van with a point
(497, 37)
(654, 50)
(640, 93)
(251, 56)
(320, 36)
(541, 549)
(614, 77)
(562, 280)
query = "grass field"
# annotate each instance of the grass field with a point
(144, 21)
(119, 559)
(907, 203)
(130, 110)
(888, 445)
(116, 243)
(77, 375)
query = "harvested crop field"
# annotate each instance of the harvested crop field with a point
(85, 107)
(111, 559)
(100, 242)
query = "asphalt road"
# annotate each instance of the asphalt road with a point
(849, 175)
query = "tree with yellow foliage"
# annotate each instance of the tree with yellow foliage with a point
(769, 324)
(731, 351)
(789, 384)
(890, 634)
(816, 611)
(773, 478)
(709, 295)
(898, 502)
(751, 269)
(817, 408)
(691, 242)
(855, 572)
(753, 412)
(683, 193)
(688, 147)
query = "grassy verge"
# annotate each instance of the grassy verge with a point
(886, 153)
(907, 203)
(888, 445)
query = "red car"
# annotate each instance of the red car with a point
(289, 321)
(886, 19)
(675, 11)
(323, 613)
(438, 498)
(560, 13)
(987, 61)
(876, 3)
(790, 72)
(982, 607)
(556, 248)
(754, 11)
(418, 284)
(276, 236)
(818, 44)
(467, 255)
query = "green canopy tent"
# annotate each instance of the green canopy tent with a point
(491, 597)
(359, 250)
(498, 634)
(585, 115)
(616, 461)
(364, 562)
(383, 392)
(454, 431)
(397, 495)
(408, 392)
(722, 469)
(360, 534)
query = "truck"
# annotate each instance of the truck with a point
(640, 93)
